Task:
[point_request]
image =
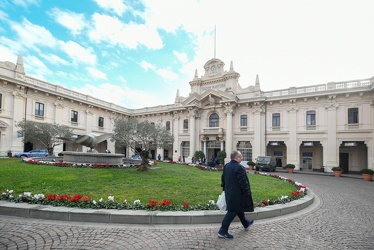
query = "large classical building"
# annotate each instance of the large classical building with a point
(312, 127)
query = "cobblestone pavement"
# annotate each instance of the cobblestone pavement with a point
(341, 218)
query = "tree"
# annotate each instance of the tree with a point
(43, 133)
(199, 155)
(141, 137)
(221, 155)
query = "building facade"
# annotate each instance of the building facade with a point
(312, 127)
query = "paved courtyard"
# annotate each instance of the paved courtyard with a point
(342, 217)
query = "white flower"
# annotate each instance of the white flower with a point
(94, 202)
(111, 198)
(125, 201)
(302, 189)
(211, 202)
(136, 202)
(39, 196)
(27, 194)
(284, 197)
(101, 200)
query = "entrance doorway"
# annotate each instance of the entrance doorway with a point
(344, 161)
(308, 161)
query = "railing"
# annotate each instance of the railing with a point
(319, 88)
(212, 130)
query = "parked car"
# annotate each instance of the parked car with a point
(266, 163)
(38, 152)
(135, 157)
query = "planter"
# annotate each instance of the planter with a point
(290, 170)
(338, 173)
(9, 154)
(367, 177)
(251, 167)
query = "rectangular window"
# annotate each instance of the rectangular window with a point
(276, 120)
(39, 109)
(243, 121)
(74, 116)
(1, 101)
(168, 125)
(101, 122)
(311, 117)
(185, 124)
(352, 115)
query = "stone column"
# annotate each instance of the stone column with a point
(19, 114)
(258, 144)
(176, 143)
(204, 143)
(192, 115)
(229, 112)
(59, 119)
(331, 157)
(369, 145)
(293, 148)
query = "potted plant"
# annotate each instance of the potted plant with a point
(367, 174)
(9, 152)
(290, 168)
(221, 155)
(337, 171)
(251, 165)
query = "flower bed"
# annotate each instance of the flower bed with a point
(80, 201)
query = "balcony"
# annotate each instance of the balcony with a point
(212, 131)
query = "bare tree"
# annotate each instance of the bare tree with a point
(43, 133)
(141, 137)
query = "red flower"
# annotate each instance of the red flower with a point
(165, 202)
(87, 198)
(265, 202)
(76, 197)
(152, 203)
(51, 197)
(185, 204)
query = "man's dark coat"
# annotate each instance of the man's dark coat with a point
(237, 189)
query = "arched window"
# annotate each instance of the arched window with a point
(214, 120)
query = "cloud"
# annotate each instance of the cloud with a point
(55, 60)
(72, 21)
(10, 45)
(32, 35)
(25, 3)
(113, 31)
(182, 57)
(123, 96)
(146, 65)
(167, 74)
(7, 54)
(116, 6)
(122, 79)
(36, 67)
(97, 74)
(78, 53)
(3, 15)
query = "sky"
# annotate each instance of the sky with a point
(139, 53)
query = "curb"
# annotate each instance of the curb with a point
(35, 211)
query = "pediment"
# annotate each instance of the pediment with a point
(209, 98)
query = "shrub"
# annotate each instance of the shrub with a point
(367, 171)
(337, 169)
(290, 166)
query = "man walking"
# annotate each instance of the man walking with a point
(238, 194)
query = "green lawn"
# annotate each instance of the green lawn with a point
(173, 182)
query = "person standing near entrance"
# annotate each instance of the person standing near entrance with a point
(238, 194)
